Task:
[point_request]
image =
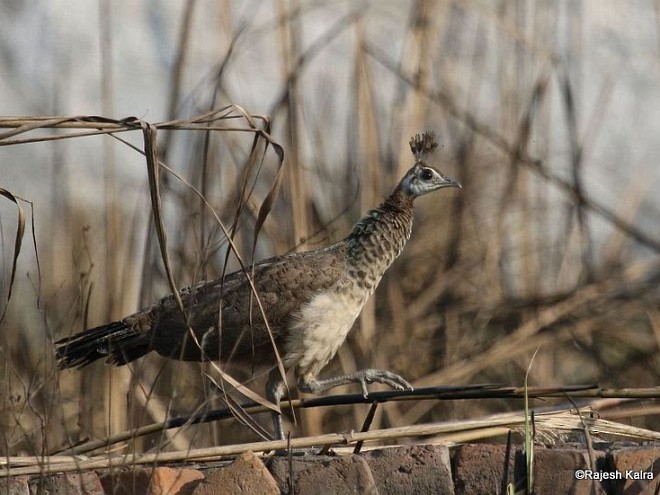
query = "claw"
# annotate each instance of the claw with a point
(381, 376)
(365, 391)
(310, 384)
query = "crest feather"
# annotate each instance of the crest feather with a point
(423, 144)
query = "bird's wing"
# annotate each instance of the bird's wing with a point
(283, 284)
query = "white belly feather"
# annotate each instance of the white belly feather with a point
(319, 330)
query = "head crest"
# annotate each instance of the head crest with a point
(423, 144)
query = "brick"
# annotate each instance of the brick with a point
(637, 460)
(554, 471)
(15, 485)
(126, 481)
(67, 484)
(480, 468)
(314, 474)
(169, 481)
(247, 475)
(411, 469)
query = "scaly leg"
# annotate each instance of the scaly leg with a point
(274, 392)
(310, 384)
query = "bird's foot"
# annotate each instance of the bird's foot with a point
(363, 377)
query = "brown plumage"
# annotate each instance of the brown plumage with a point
(310, 299)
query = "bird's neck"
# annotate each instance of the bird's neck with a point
(378, 238)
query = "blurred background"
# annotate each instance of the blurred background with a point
(546, 111)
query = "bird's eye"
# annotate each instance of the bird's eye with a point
(427, 174)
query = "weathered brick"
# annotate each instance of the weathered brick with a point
(636, 462)
(555, 471)
(169, 481)
(313, 475)
(411, 469)
(480, 468)
(126, 481)
(15, 485)
(247, 475)
(67, 484)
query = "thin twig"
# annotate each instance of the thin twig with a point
(564, 420)
(428, 393)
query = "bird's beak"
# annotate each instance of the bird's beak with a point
(449, 182)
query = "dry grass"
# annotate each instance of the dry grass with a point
(550, 426)
(510, 264)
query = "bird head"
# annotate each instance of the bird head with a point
(422, 178)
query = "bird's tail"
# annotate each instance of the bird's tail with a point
(117, 343)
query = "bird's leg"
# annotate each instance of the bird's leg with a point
(311, 384)
(274, 392)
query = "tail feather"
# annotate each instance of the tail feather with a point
(115, 342)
